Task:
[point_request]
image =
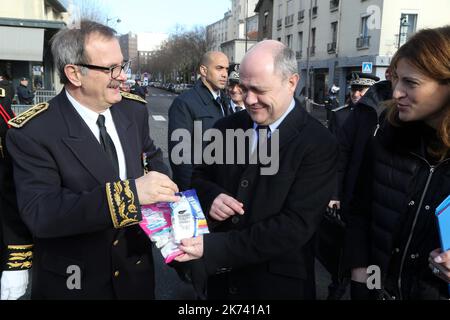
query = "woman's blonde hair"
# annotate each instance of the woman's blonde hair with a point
(429, 52)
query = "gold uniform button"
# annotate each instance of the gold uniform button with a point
(115, 243)
(116, 274)
(139, 262)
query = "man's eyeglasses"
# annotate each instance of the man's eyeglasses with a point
(114, 70)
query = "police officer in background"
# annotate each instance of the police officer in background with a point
(25, 95)
(359, 84)
(15, 239)
(234, 90)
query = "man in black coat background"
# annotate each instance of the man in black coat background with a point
(24, 93)
(359, 83)
(262, 224)
(204, 105)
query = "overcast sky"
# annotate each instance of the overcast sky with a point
(162, 15)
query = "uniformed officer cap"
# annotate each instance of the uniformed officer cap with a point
(358, 79)
(233, 74)
(23, 79)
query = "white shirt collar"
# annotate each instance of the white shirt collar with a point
(215, 94)
(277, 123)
(87, 114)
(90, 118)
(234, 105)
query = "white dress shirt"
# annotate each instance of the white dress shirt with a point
(234, 105)
(90, 118)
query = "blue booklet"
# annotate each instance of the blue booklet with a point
(443, 216)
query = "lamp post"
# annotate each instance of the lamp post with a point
(246, 22)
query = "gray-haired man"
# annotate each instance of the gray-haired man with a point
(262, 225)
(80, 178)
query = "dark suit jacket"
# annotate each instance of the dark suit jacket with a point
(77, 209)
(266, 253)
(197, 104)
(15, 239)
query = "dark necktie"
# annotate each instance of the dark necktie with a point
(219, 101)
(262, 131)
(237, 109)
(108, 144)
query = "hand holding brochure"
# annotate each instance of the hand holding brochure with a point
(166, 224)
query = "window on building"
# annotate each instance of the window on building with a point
(289, 40)
(408, 26)
(299, 53)
(364, 27)
(334, 31)
(300, 41)
(313, 41)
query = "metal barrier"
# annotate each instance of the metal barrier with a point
(20, 108)
(39, 97)
(43, 95)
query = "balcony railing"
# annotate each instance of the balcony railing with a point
(334, 5)
(289, 20)
(298, 54)
(363, 42)
(301, 16)
(279, 23)
(331, 47)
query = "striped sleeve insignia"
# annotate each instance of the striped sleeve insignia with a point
(131, 96)
(122, 203)
(23, 118)
(19, 257)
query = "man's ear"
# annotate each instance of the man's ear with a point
(203, 70)
(72, 73)
(293, 81)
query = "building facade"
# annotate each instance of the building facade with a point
(342, 35)
(264, 9)
(219, 32)
(236, 32)
(25, 32)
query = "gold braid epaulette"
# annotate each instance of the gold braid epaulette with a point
(19, 257)
(23, 118)
(131, 96)
(122, 204)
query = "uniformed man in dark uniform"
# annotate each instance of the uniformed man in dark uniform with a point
(15, 239)
(331, 234)
(234, 90)
(80, 176)
(24, 94)
(359, 84)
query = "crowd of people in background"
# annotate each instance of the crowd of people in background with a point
(358, 192)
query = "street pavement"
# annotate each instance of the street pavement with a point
(168, 285)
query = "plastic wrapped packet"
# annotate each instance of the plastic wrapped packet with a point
(188, 219)
(166, 224)
(156, 223)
